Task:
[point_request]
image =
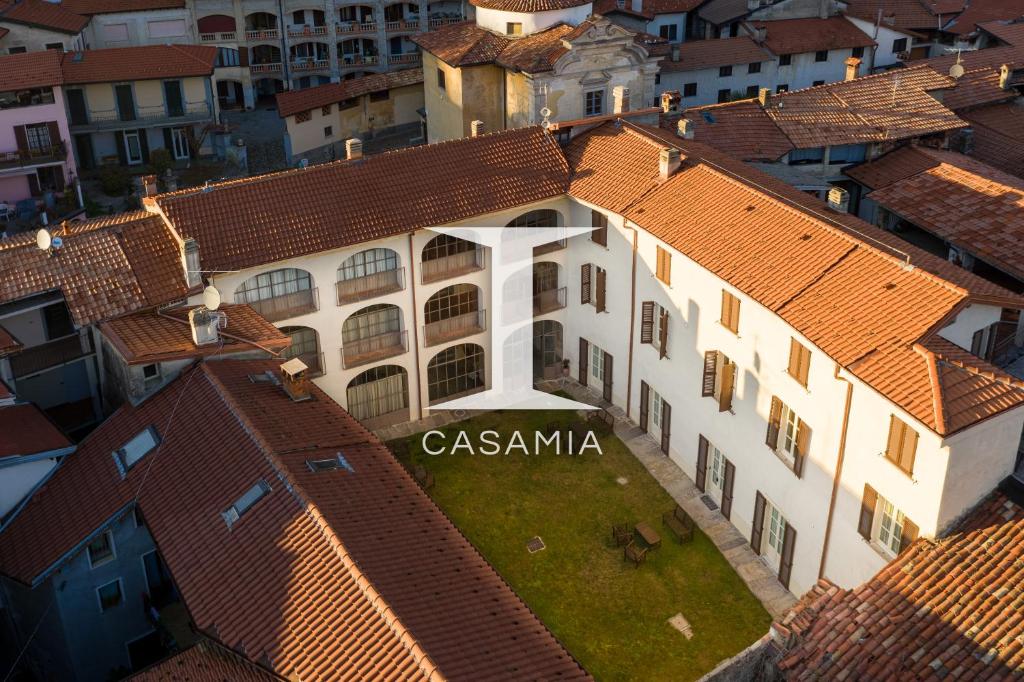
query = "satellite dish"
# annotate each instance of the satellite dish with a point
(56, 243)
(956, 71)
(211, 298)
(43, 240)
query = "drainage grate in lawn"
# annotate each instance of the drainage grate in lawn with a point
(709, 503)
(622, 480)
(535, 544)
(680, 623)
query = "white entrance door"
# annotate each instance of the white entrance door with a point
(654, 423)
(716, 474)
(596, 364)
(132, 147)
(774, 530)
(179, 143)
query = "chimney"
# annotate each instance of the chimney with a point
(839, 200)
(760, 35)
(294, 381)
(764, 96)
(620, 99)
(190, 251)
(204, 326)
(670, 100)
(852, 66)
(637, 5)
(675, 52)
(149, 185)
(685, 129)
(1004, 76)
(668, 163)
(477, 128)
(353, 148)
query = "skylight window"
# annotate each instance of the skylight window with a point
(129, 454)
(337, 462)
(245, 502)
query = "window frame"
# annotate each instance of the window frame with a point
(663, 266)
(729, 315)
(689, 90)
(886, 510)
(725, 71)
(120, 592)
(821, 56)
(441, 85)
(598, 95)
(785, 60)
(897, 458)
(754, 67)
(900, 45)
(106, 559)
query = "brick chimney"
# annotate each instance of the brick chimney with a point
(685, 129)
(620, 99)
(1004, 76)
(149, 185)
(852, 66)
(190, 256)
(477, 128)
(353, 148)
(839, 200)
(764, 96)
(670, 100)
(294, 381)
(668, 163)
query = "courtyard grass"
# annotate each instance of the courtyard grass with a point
(612, 617)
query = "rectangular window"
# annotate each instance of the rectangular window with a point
(245, 502)
(785, 59)
(55, 46)
(858, 52)
(889, 526)
(110, 595)
(799, 362)
(775, 528)
(657, 403)
(151, 375)
(754, 67)
(114, 33)
(596, 363)
(593, 103)
(440, 79)
(16, 50)
(883, 525)
(782, 87)
(326, 110)
(37, 136)
(328, 131)
(752, 91)
(690, 90)
(669, 33)
(380, 96)
(846, 153)
(723, 95)
(788, 435)
(719, 379)
(787, 432)
(514, 28)
(171, 28)
(730, 312)
(899, 45)
(101, 549)
(599, 221)
(817, 83)
(799, 157)
(821, 56)
(129, 454)
(303, 116)
(664, 266)
(901, 448)
(724, 71)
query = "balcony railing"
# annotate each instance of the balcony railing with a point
(408, 58)
(306, 31)
(263, 34)
(549, 247)
(287, 305)
(358, 60)
(310, 64)
(271, 67)
(443, 21)
(50, 354)
(374, 348)
(548, 300)
(112, 118)
(370, 286)
(455, 327)
(226, 36)
(350, 27)
(21, 158)
(314, 361)
(401, 26)
(452, 266)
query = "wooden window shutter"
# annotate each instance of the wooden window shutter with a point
(774, 421)
(730, 476)
(902, 446)
(585, 283)
(663, 335)
(908, 450)
(647, 322)
(799, 361)
(54, 131)
(645, 400)
(21, 138)
(702, 463)
(243, 57)
(908, 534)
(758, 525)
(730, 312)
(786, 565)
(867, 512)
(710, 371)
(725, 394)
(803, 437)
(666, 426)
(602, 276)
(584, 361)
(600, 222)
(607, 392)
(664, 265)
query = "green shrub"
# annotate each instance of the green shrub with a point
(115, 180)
(160, 161)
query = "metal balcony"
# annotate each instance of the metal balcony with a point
(27, 158)
(455, 327)
(287, 305)
(548, 301)
(370, 286)
(374, 348)
(113, 119)
(54, 353)
(455, 265)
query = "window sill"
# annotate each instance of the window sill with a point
(909, 475)
(785, 459)
(881, 551)
(102, 562)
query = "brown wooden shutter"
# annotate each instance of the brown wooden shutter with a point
(584, 361)
(21, 138)
(647, 322)
(867, 511)
(54, 131)
(908, 449)
(774, 420)
(734, 316)
(730, 312)
(895, 438)
(666, 426)
(702, 463)
(799, 361)
(803, 437)
(664, 265)
(243, 56)
(730, 475)
(585, 283)
(602, 276)
(758, 525)
(599, 235)
(908, 534)
(607, 392)
(710, 371)
(725, 393)
(786, 565)
(663, 335)
(645, 399)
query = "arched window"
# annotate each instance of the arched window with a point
(369, 273)
(377, 392)
(372, 334)
(544, 217)
(216, 23)
(458, 299)
(279, 294)
(454, 371)
(444, 245)
(447, 256)
(306, 347)
(366, 263)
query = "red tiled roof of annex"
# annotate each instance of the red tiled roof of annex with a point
(89, 7)
(146, 62)
(1010, 32)
(999, 136)
(979, 12)
(205, 661)
(695, 55)
(43, 14)
(295, 101)
(903, 14)
(105, 268)
(158, 336)
(26, 430)
(523, 6)
(796, 36)
(943, 608)
(30, 70)
(446, 614)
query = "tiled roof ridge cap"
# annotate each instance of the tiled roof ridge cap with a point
(426, 664)
(938, 404)
(116, 224)
(950, 82)
(1003, 377)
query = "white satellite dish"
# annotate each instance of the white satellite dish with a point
(956, 71)
(43, 240)
(211, 298)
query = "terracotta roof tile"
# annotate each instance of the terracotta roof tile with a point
(89, 7)
(979, 12)
(537, 52)
(894, 166)
(529, 5)
(462, 44)
(945, 608)
(25, 430)
(741, 129)
(152, 336)
(294, 101)
(147, 62)
(205, 661)
(318, 537)
(695, 55)
(999, 136)
(30, 70)
(1010, 32)
(7, 342)
(796, 36)
(911, 14)
(43, 14)
(243, 223)
(106, 267)
(719, 12)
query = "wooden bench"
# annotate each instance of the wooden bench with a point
(679, 523)
(635, 553)
(603, 418)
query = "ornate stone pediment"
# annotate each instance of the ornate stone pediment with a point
(599, 30)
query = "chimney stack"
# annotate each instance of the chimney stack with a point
(477, 128)
(1004, 76)
(668, 163)
(670, 100)
(620, 99)
(294, 381)
(764, 96)
(353, 148)
(675, 53)
(839, 200)
(852, 66)
(190, 254)
(149, 185)
(685, 129)
(204, 326)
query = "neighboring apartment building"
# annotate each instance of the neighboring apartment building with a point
(124, 102)
(36, 161)
(36, 25)
(320, 119)
(672, 20)
(131, 23)
(796, 328)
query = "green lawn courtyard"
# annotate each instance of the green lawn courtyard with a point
(611, 616)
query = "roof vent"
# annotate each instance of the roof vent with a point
(839, 199)
(477, 128)
(668, 163)
(353, 148)
(204, 324)
(294, 381)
